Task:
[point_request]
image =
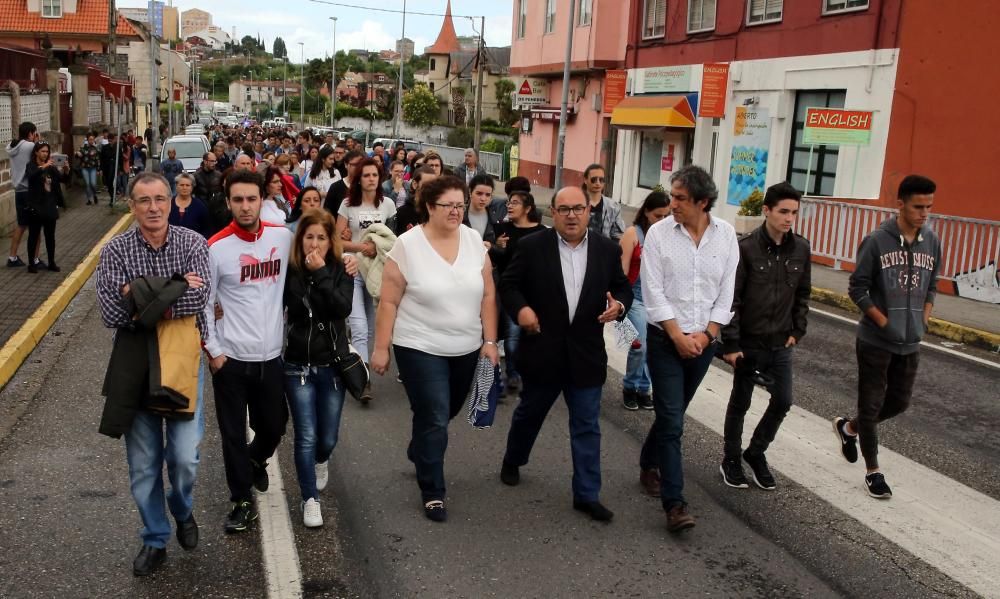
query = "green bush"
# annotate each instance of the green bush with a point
(493, 145)
(753, 204)
(461, 137)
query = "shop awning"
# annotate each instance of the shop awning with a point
(654, 111)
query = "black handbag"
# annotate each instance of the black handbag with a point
(353, 371)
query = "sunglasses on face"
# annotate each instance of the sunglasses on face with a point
(597, 179)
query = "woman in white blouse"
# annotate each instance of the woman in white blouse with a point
(439, 312)
(322, 174)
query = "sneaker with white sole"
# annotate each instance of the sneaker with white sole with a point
(322, 475)
(877, 487)
(312, 517)
(848, 442)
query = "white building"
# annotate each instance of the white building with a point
(775, 91)
(216, 37)
(248, 95)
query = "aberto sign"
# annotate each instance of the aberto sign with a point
(835, 126)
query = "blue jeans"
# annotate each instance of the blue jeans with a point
(316, 399)
(90, 179)
(510, 343)
(146, 454)
(776, 363)
(362, 319)
(584, 404)
(636, 369)
(675, 381)
(437, 387)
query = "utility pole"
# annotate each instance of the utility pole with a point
(302, 87)
(284, 88)
(399, 86)
(333, 74)
(154, 87)
(480, 65)
(270, 92)
(561, 147)
(170, 82)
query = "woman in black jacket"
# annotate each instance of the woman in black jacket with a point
(44, 198)
(318, 295)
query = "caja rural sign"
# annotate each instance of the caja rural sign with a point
(835, 126)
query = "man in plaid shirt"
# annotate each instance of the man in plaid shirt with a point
(155, 248)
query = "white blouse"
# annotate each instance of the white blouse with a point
(439, 312)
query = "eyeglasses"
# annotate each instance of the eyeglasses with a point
(515, 203)
(145, 202)
(578, 210)
(597, 179)
(451, 207)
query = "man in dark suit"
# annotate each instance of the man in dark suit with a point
(561, 287)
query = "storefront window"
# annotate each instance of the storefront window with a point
(650, 151)
(822, 171)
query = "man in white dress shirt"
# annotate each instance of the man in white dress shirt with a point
(688, 275)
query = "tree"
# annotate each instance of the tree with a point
(504, 87)
(278, 49)
(249, 44)
(420, 106)
(458, 106)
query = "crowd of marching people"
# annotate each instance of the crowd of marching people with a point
(288, 268)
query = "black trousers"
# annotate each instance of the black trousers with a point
(35, 227)
(885, 385)
(258, 388)
(777, 363)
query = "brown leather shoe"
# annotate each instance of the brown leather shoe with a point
(649, 478)
(679, 519)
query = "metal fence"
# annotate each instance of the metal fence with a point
(490, 161)
(835, 229)
(6, 124)
(36, 109)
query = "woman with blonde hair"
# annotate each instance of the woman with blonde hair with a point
(318, 295)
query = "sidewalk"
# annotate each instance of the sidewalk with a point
(955, 318)
(78, 232)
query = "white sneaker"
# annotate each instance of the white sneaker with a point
(322, 475)
(311, 516)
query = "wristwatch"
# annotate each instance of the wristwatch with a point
(712, 339)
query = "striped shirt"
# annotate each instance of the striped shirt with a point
(129, 256)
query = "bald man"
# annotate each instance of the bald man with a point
(562, 346)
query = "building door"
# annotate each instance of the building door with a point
(66, 122)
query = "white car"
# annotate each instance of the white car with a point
(190, 149)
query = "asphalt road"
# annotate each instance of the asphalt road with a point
(68, 526)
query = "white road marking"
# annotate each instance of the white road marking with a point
(950, 526)
(934, 346)
(277, 540)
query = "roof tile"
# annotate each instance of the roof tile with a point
(91, 17)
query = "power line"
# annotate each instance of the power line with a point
(409, 12)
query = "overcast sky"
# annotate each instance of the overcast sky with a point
(306, 21)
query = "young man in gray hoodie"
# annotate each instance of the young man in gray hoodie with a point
(20, 153)
(894, 285)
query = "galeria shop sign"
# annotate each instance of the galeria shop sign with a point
(666, 79)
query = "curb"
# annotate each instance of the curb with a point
(941, 328)
(23, 342)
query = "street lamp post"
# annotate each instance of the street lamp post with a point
(302, 87)
(333, 76)
(270, 92)
(258, 95)
(284, 88)
(399, 88)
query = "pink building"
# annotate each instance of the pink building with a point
(537, 57)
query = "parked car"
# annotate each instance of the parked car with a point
(190, 149)
(409, 144)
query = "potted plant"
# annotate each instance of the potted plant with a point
(749, 217)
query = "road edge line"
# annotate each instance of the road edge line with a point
(20, 345)
(942, 328)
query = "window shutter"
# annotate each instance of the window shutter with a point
(656, 18)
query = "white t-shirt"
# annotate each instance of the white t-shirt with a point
(271, 213)
(439, 312)
(361, 217)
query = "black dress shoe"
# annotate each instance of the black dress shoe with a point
(148, 560)
(187, 533)
(595, 510)
(510, 474)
